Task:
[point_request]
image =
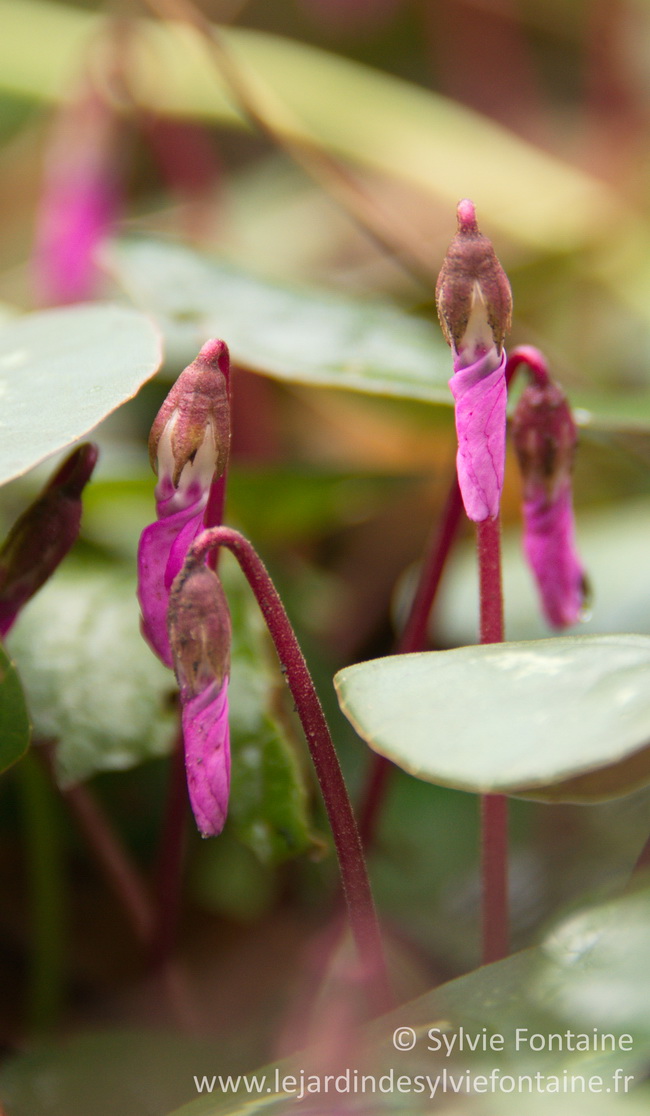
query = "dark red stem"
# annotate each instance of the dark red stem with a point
(529, 355)
(488, 541)
(413, 638)
(494, 807)
(118, 869)
(354, 875)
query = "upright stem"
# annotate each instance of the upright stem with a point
(413, 638)
(494, 807)
(488, 541)
(354, 876)
(121, 874)
(125, 881)
(47, 893)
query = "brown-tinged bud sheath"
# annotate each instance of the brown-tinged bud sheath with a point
(473, 294)
(193, 425)
(40, 539)
(199, 627)
(544, 435)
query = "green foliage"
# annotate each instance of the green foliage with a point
(62, 372)
(291, 333)
(562, 720)
(130, 1072)
(511, 717)
(14, 723)
(390, 126)
(92, 684)
(537, 991)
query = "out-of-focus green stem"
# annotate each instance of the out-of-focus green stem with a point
(47, 894)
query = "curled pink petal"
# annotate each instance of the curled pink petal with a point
(207, 755)
(481, 399)
(549, 543)
(161, 553)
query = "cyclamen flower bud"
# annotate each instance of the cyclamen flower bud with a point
(40, 539)
(473, 294)
(192, 428)
(200, 637)
(475, 306)
(189, 449)
(545, 436)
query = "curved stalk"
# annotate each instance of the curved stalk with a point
(354, 875)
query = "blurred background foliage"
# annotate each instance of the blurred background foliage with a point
(378, 115)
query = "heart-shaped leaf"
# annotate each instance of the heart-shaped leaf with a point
(509, 717)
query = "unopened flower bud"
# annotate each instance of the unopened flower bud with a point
(474, 306)
(199, 635)
(189, 448)
(199, 628)
(545, 436)
(190, 436)
(40, 539)
(473, 293)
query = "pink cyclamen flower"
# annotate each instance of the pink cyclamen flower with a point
(545, 436)
(474, 305)
(189, 447)
(200, 637)
(80, 202)
(40, 539)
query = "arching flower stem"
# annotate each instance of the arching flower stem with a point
(354, 875)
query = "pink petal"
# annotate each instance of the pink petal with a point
(481, 399)
(76, 218)
(549, 544)
(207, 756)
(161, 553)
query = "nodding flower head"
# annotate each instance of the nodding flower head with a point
(545, 436)
(40, 539)
(189, 449)
(474, 306)
(200, 637)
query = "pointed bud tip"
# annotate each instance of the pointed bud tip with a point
(75, 472)
(215, 352)
(473, 296)
(195, 414)
(466, 214)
